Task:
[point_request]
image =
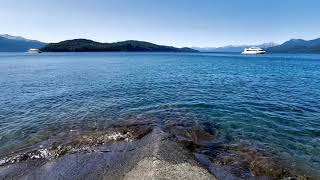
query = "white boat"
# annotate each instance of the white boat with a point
(253, 50)
(34, 51)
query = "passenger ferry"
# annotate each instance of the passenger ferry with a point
(253, 50)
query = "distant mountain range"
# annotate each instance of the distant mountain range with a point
(297, 46)
(85, 45)
(291, 46)
(233, 48)
(10, 43)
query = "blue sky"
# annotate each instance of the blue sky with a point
(204, 23)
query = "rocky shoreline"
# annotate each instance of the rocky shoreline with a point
(146, 151)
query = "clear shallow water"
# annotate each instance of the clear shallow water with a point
(268, 100)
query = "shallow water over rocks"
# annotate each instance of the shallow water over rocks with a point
(228, 159)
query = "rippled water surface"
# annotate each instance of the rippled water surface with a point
(272, 101)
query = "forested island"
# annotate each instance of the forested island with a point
(85, 45)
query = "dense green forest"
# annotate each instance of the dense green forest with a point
(84, 45)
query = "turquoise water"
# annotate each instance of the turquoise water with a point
(268, 100)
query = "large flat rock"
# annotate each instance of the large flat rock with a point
(154, 156)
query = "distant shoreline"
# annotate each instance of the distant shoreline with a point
(85, 45)
(10, 43)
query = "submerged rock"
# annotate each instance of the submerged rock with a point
(80, 143)
(154, 156)
(146, 151)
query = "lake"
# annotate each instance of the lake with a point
(268, 101)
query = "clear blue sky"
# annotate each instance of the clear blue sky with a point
(172, 22)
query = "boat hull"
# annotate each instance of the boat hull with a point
(263, 52)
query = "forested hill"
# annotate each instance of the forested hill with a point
(85, 45)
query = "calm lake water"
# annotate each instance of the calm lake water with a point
(272, 101)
